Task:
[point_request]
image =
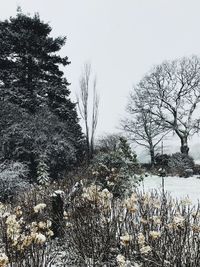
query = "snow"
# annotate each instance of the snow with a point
(178, 187)
(197, 161)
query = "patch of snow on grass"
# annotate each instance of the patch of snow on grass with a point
(178, 187)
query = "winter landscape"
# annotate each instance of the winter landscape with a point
(99, 134)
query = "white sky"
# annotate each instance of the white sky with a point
(123, 39)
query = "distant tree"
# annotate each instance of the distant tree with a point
(108, 142)
(84, 104)
(140, 124)
(172, 89)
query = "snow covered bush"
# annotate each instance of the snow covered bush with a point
(43, 176)
(116, 169)
(180, 163)
(39, 140)
(13, 179)
(162, 160)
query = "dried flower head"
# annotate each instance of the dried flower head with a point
(3, 260)
(154, 234)
(125, 239)
(39, 207)
(145, 250)
(39, 238)
(121, 260)
(141, 239)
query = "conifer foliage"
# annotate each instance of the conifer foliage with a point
(38, 119)
(28, 62)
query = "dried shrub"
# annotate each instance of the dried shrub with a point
(146, 229)
(25, 243)
(143, 229)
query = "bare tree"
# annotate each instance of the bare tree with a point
(95, 108)
(173, 89)
(108, 142)
(84, 107)
(140, 124)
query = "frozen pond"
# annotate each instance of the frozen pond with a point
(178, 187)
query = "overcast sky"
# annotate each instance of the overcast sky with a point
(122, 39)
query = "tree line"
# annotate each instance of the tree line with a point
(39, 123)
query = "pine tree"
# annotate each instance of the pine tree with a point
(32, 83)
(29, 63)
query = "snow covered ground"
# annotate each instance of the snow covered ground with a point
(178, 187)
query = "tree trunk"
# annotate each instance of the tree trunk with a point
(184, 145)
(57, 213)
(87, 142)
(152, 155)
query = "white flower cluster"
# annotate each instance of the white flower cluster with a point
(154, 234)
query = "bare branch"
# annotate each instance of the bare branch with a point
(83, 106)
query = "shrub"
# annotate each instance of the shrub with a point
(41, 140)
(13, 179)
(115, 170)
(25, 243)
(90, 227)
(144, 230)
(180, 163)
(162, 160)
(197, 169)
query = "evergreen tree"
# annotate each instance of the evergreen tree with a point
(29, 63)
(31, 82)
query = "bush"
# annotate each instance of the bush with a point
(115, 170)
(90, 227)
(25, 243)
(162, 160)
(41, 140)
(13, 179)
(180, 163)
(145, 229)
(197, 169)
